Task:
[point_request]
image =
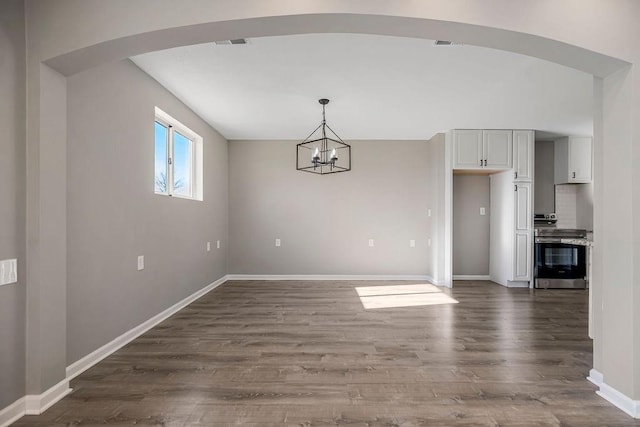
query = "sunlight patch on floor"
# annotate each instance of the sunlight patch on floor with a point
(373, 297)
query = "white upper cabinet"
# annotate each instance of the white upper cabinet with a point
(497, 146)
(523, 155)
(467, 149)
(573, 160)
(482, 149)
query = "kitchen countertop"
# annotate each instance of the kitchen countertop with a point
(581, 242)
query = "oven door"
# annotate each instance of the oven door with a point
(560, 261)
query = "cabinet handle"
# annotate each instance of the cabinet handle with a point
(574, 174)
(516, 174)
(485, 163)
(516, 190)
(480, 162)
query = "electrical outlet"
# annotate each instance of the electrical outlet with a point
(208, 246)
(483, 211)
(412, 243)
(140, 262)
(278, 243)
(218, 244)
(370, 243)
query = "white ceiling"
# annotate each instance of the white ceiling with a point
(380, 87)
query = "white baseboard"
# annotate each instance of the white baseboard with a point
(517, 284)
(620, 400)
(595, 377)
(13, 412)
(34, 404)
(78, 367)
(470, 277)
(325, 277)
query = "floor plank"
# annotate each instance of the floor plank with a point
(287, 353)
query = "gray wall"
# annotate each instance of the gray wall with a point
(544, 193)
(114, 215)
(470, 229)
(325, 222)
(12, 202)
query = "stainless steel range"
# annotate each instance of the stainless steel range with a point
(560, 258)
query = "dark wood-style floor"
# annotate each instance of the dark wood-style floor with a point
(288, 353)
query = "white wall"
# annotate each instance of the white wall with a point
(114, 215)
(584, 207)
(324, 222)
(437, 205)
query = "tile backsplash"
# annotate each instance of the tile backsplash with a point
(566, 202)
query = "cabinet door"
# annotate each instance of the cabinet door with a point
(580, 159)
(523, 143)
(523, 208)
(467, 147)
(497, 148)
(522, 257)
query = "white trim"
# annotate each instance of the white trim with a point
(517, 284)
(595, 377)
(621, 400)
(13, 412)
(325, 277)
(618, 399)
(35, 404)
(96, 356)
(470, 277)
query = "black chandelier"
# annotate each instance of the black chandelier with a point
(321, 153)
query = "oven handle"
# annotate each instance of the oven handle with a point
(547, 240)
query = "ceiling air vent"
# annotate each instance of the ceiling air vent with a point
(234, 41)
(446, 43)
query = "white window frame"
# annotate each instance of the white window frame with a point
(195, 157)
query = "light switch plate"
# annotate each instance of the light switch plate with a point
(140, 262)
(208, 246)
(429, 242)
(370, 243)
(8, 271)
(278, 243)
(483, 211)
(218, 244)
(428, 212)
(412, 243)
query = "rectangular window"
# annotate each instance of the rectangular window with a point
(178, 159)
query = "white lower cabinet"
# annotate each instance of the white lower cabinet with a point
(522, 260)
